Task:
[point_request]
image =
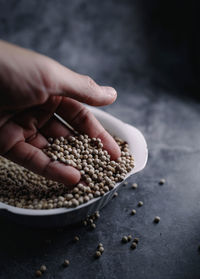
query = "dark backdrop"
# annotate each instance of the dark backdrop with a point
(147, 50)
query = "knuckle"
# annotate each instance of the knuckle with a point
(90, 83)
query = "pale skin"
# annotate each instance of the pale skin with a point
(32, 88)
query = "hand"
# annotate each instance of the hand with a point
(32, 88)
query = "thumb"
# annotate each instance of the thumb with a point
(80, 87)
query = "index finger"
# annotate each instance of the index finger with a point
(80, 118)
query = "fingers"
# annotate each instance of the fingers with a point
(54, 128)
(84, 121)
(35, 160)
(80, 87)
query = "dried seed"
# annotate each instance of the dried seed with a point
(100, 245)
(43, 268)
(134, 186)
(66, 263)
(140, 203)
(97, 254)
(76, 239)
(162, 181)
(93, 226)
(133, 245)
(28, 190)
(124, 239)
(133, 212)
(129, 237)
(38, 273)
(136, 240)
(157, 219)
(115, 195)
(101, 249)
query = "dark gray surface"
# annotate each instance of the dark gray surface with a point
(105, 41)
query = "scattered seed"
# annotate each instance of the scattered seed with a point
(125, 183)
(43, 268)
(157, 219)
(124, 239)
(115, 195)
(66, 263)
(133, 212)
(136, 240)
(97, 254)
(85, 223)
(162, 181)
(101, 249)
(100, 245)
(134, 186)
(93, 226)
(133, 245)
(76, 239)
(129, 237)
(140, 203)
(38, 273)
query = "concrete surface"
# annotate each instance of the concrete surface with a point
(104, 39)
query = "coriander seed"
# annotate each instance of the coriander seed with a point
(133, 245)
(134, 186)
(129, 237)
(115, 195)
(76, 239)
(101, 249)
(162, 181)
(97, 254)
(133, 212)
(38, 273)
(124, 239)
(157, 219)
(140, 203)
(136, 240)
(66, 263)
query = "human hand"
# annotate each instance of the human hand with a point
(32, 88)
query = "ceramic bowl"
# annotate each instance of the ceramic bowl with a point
(63, 216)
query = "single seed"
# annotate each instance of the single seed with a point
(100, 245)
(140, 203)
(115, 195)
(157, 219)
(136, 240)
(97, 254)
(76, 239)
(124, 239)
(93, 226)
(101, 249)
(66, 263)
(43, 268)
(134, 186)
(162, 181)
(129, 237)
(133, 245)
(133, 212)
(38, 273)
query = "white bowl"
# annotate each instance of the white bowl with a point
(64, 216)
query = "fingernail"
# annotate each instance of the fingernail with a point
(109, 91)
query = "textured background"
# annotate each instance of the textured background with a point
(149, 53)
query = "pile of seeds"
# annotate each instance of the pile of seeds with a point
(22, 188)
